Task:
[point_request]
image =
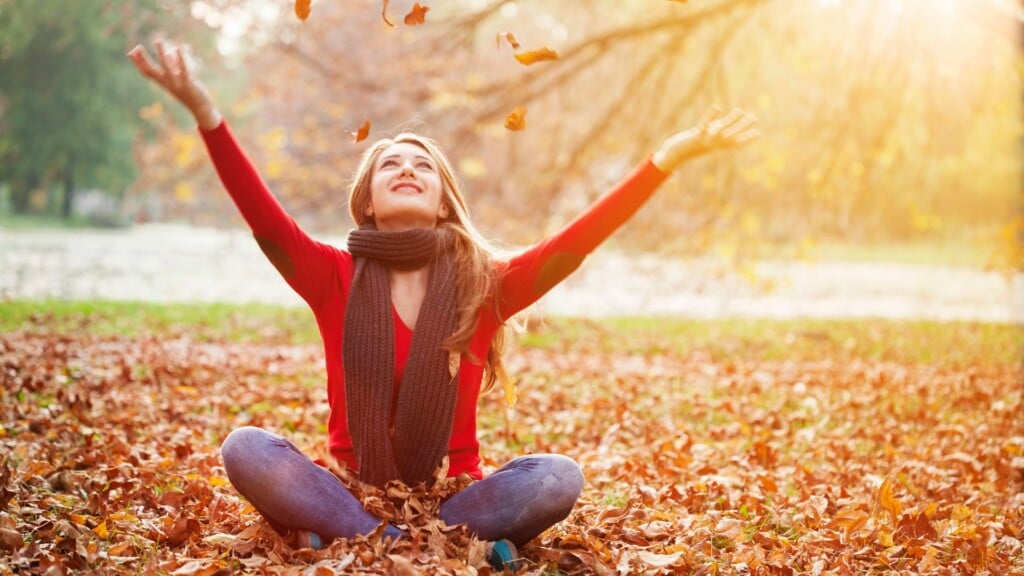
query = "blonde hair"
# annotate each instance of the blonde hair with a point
(476, 280)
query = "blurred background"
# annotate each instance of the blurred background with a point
(892, 137)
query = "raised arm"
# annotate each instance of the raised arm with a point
(304, 263)
(174, 75)
(532, 273)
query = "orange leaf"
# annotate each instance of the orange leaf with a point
(534, 56)
(120, 549)
(302, 8)
(101, 530)
(516, 119)
(362, 133)
(508, 38)
(416, 15)
(887, 500)
(384, 14)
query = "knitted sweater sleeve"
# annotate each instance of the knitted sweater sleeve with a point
(530, 274)
(304, 263)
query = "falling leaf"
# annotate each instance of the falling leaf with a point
(416, 16)
(534, 56)
(362, 133)
(508, 38)
(887, 500)
(384, 14)
(302, 8)
(516, 120)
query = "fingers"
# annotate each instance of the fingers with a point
(740, 123)
(165, 59)
(709, 116)
(727, 121)
(140, 57)
(745, 136)
(185, 56)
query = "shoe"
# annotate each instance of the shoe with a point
(502, 555)
(306, 539)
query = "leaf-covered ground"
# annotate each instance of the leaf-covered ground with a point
(840, 449)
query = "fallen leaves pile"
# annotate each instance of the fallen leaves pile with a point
(694, 464)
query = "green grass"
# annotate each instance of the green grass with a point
(234, 323)
(872, 339)
(46, 222)
(892, 340)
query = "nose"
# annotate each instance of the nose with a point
(407, 168)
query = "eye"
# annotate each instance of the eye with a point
(425, 166)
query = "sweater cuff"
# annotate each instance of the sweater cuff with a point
(648, 165)
(220, 129)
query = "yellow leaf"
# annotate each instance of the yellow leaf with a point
(516, 119)
(885, 539)
(511, 395)
(152, 111)
(534, 56)
(887, 500)
(218, 481)
(101, 530)
(508, 38)
(961, 513)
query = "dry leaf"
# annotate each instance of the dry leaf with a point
(887, 500)
(416, 16)
(534, 56)
(302, 8)
(657, 499)
(384, 14)
(508, 38)
(516, 119)
(659, 560)
(362, 133)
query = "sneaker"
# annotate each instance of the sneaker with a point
(502, 555)
(307, 539)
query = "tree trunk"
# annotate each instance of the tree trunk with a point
(69, 193)
(21, 190)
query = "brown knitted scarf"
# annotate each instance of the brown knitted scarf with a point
(426, 398)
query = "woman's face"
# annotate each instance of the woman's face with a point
(405, 189)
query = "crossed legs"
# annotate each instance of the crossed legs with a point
(518, 502)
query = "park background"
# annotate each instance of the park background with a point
(804, 354)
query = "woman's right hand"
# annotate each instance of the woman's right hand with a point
(172, 73)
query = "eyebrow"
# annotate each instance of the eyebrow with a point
(418, 157)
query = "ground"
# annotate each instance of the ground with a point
(716, 448)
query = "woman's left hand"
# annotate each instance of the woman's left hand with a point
(714, 131)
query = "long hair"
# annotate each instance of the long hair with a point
(476, 281)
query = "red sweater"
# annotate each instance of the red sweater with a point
(322, 275)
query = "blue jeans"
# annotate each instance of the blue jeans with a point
(519, 501)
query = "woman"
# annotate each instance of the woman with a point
(411, 316)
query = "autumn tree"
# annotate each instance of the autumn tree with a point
(878, 121)
(68, 104)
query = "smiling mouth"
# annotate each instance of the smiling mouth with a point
(408, 187)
